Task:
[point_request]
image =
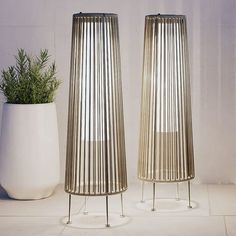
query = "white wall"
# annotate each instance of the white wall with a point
(32, 25)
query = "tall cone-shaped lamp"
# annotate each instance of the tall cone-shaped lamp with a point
(166, 140)
(96, 161)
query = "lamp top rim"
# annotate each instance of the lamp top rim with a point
(165, 16)
(80, 14)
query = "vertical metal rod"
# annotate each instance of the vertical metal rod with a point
(177, 192)
(107, 211)
(85, 206)
(142, 199)
(69, 214)
(153, 197)
(189, 195)
(122, 205)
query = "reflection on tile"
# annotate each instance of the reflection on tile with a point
(165, 193)
(56, 205)
(166, 226)
(222, 199)
(44, 217)
(230, 222)
(30, 226)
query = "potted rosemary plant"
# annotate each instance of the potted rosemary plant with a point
(29, 149)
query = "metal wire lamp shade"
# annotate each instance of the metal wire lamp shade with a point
(166, 144)
(95, 162)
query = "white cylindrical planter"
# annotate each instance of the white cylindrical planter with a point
(29, 150)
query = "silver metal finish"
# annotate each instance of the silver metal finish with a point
(69, 213)
(153, 197)
(122, 205)
(142, 197)
(107, 213)
(85, 212)
(189, 195)
(96, 160)
(166, 143)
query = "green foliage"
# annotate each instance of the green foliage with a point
(30, 81)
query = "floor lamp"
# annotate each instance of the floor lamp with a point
(166, 140)
(95, 161)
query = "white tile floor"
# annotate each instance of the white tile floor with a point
(214, 213)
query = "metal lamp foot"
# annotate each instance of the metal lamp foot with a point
(189, 195)
(177, 192)
(85, 212)
(107, 213)
(153, 197)
(142, 199)
(122, 205)
(69, 213)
